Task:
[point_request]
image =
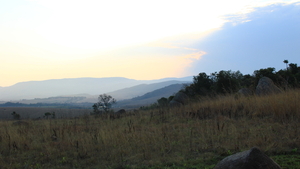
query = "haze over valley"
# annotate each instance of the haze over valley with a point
(150, 84)
(81, 90)
(111, 47)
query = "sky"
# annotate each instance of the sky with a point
(143, 40)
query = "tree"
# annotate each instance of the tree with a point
(228, 81)
(95, 108)
(286, 63)
(291, 75)
(105, 103)
(163, 102)
(248, 81)
(293, 67)
(47, 115)
(268, 72)
(15, 115)
(201, 85)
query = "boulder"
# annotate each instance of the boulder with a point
(245, 92)
(266, 86)
(121, 111)
(250, 159)
(180, 97)
(117, 114)
(174, 103)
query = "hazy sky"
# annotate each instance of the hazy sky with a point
(53, 39)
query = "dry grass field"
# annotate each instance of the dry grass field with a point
(39, 112)
(196, 135)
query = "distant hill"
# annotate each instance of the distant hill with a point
(88, 87)
(82, 101)
(150, 97)
(142, 89)
(57, 87)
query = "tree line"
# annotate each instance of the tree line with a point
(223, 82)
(231, 81)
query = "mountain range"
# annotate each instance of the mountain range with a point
(86, 88)
(150, 97)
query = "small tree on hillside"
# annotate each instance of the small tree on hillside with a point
(202, 84)
(286, 63)
(95, 108)
(163, 102)
(15, 115)
(105, 103)
(228, 81)
(47, 115)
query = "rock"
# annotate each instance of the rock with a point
(121, 111)
(174, 103)
(250, 159)
(54, 137)
(180, 98)
(117, 114)
(266, 86)
(245, 92)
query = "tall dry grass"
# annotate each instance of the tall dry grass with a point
(208, 128)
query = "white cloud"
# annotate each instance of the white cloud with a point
(104, 24)
(195, 56)
(70, 30)
(94, 24)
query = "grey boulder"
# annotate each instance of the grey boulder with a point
(180, 98)
(245, 92)
(266, 86)
(250, 159)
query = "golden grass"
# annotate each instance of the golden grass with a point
(204, 129)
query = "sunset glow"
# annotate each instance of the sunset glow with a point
(53, 39)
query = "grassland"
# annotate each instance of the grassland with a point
(39, 112)
(196, 135)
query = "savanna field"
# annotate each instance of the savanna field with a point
(149, 84)
(196, 135)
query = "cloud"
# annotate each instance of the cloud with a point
(194, 56)
(93, 24)
(264, 38)
(162, 44)
(44, 39)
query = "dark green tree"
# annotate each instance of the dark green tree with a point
(95, 108)
(15, 115)
(105, 103)
(293, 68)
(201, 85)
(228, 81)
(286, 63)
(248, 81)
(47, 115)
(268, 72)
(170, 98)
(163, 102)
(291, 75)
